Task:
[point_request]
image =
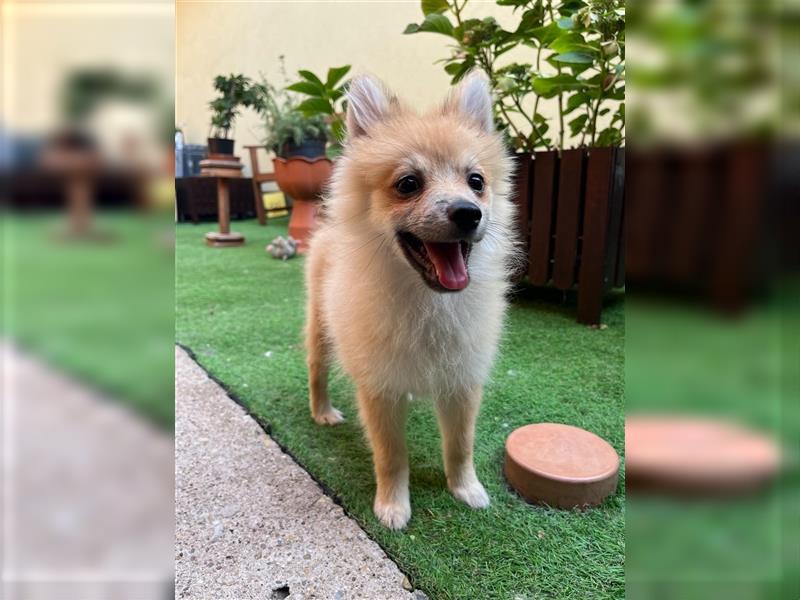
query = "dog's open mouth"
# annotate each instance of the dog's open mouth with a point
(443, 265)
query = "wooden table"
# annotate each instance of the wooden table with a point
(224, 237)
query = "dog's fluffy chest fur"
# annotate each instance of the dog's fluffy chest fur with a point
(389, 330)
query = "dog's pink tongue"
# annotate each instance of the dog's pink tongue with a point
(449, 263)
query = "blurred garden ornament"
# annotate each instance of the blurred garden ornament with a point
(74, 158)
(283, 247)
(560, 465)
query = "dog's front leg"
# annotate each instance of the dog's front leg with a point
(457, 415)
(385, 422)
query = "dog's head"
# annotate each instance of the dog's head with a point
(435, 184)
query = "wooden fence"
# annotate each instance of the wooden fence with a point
(571, 221)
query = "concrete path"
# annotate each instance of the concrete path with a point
(250, 523)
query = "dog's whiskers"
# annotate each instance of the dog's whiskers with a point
(349, 219)
(375, 253)
(367, 243)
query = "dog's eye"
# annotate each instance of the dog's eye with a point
(408, 185)
(476, 182)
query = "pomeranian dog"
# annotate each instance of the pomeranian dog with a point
(407, 277)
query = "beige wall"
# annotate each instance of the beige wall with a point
(219, 37)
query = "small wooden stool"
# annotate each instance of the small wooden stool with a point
(222, 168)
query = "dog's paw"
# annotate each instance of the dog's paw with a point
(329, 417)
(472, 494)
(394, 515)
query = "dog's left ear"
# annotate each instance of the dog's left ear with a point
(473, 99)
(368, 103)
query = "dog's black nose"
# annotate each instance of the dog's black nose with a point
(466, 215)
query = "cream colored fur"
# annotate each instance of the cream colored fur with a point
(370, 310)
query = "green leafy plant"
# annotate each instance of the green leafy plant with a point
(325, 99)
(234, 91)
(577, 62)
(284, 124)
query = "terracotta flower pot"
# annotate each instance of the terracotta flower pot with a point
(303, 179)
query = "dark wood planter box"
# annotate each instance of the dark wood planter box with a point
(196, 199)
(570, 217)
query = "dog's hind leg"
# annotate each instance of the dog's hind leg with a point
(457, 415)
(318, 352)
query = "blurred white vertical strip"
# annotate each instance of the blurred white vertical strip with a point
(86, 95)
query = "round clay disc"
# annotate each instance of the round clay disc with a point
(560, 465)
(696, 455)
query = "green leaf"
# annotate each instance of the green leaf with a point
(573, 5)
(335, 75)
(571, 41)
(307, 88)
(574, 58)
(334, 151)
(575, 101)
(545, 34)
(315, 106)
(338, 130)
(434, 6)
(531, 19)
(437, 23)
(609, 137)
(309, 76)
(549, 87)
(577, 124)
(619, 116)
(411, 28)
(458, 70)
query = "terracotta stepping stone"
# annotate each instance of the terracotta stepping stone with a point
(694, 455)
(560, 465)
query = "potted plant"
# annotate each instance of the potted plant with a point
(299, 142)
(569, 189)
(234, 91)
(325, 99)
(289, 132)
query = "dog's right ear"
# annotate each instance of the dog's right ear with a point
(368, 103)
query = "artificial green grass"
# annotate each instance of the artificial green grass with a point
(241, 313)
(101, 311)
